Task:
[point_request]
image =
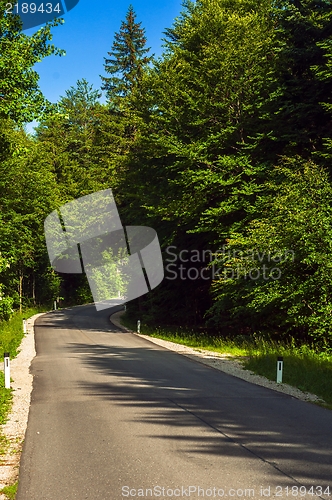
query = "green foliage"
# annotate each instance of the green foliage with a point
(20, 97)
(296, 119)
(240, 84)
(324, 73)
(110, 281)
(49, 284)
(5, 403)
(6, 307)
(10, 491)
(27, 187)
(6, 303)
(188, 170)
(201, 99)
(81, 143)
(73, 143)
(29, 193)
(224, 143)
(277, 273)
(11, 332)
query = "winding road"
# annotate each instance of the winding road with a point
(115, 416)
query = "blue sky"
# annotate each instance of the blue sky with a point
(87, 36)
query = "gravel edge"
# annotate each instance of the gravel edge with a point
(15, 427)
(222, 362)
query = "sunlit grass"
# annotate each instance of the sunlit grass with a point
(10, 491)
(11, 332)
(201, 341)
(190, 338)
(5, 402)
(304, 366)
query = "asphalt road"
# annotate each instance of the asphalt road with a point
(114, 416)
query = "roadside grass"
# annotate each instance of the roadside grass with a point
(11, 332)
(10, 491)
(304, 366)
(5, 405)
(190, 338)
(5, 401)
(11, 335)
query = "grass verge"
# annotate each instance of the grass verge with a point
(304, 367)
(189, 338)
(11, 332)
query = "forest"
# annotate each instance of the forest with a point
(223, 145)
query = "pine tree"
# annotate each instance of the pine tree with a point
(127, 59)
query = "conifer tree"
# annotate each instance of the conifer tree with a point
(128, 57)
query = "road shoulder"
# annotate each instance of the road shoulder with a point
(222, 362)
(15, 427)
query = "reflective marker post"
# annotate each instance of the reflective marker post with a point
(55, 305)
(24, 325)
(7, 369)
(280, 364)
(138, 326)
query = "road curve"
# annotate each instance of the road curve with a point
(115, 416)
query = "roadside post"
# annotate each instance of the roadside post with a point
(7, 369)
(24, 325)
(54, 305)
(138, 326)
(280, 364)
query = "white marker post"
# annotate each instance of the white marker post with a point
(55, 305)
(280, 364)
(24, 325)
(138, 326)
(7, 369)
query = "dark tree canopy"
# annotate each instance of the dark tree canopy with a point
(223, 145)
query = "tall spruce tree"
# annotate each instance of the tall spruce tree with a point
(128, 57)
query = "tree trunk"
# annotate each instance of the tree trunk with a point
(34, 289)
(20, 288)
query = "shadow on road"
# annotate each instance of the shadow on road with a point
(161, 387)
